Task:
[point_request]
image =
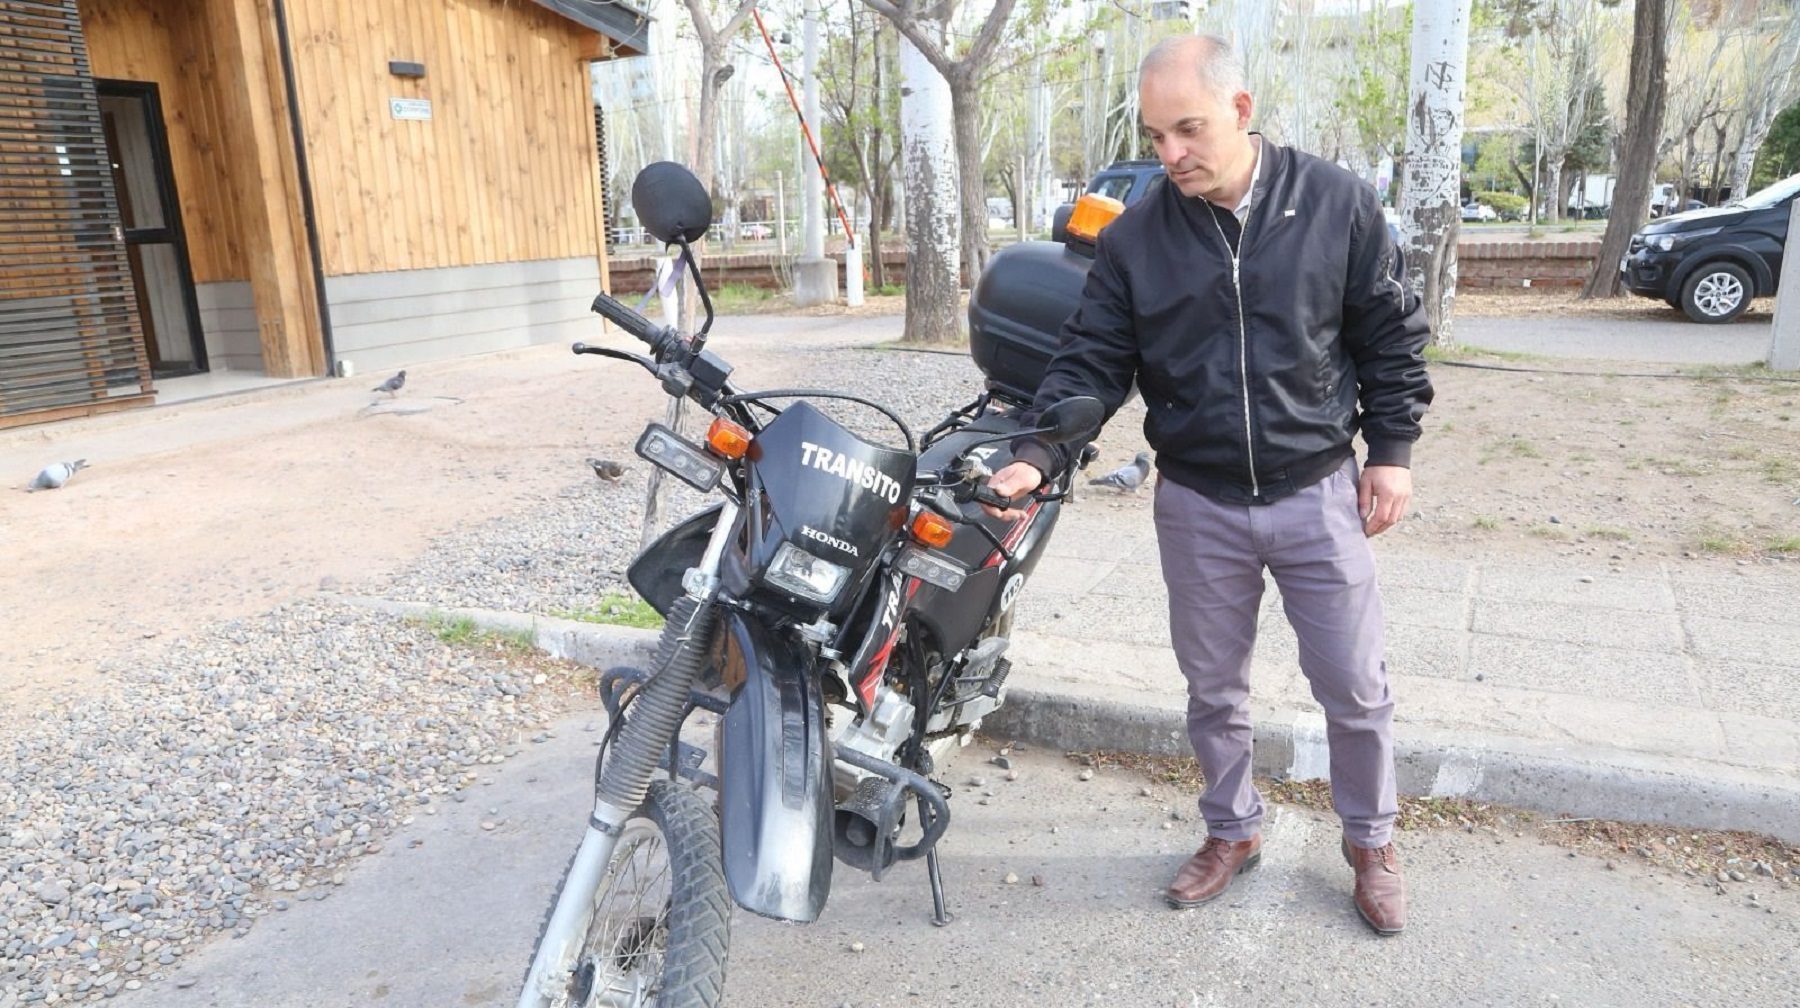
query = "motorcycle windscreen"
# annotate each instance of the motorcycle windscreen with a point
(775, 799)
(825, 490)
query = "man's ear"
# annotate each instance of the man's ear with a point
(1243, 105)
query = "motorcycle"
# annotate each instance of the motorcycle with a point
(843, 611)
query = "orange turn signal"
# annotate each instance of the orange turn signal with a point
(1091, 215)
(727, 439)
(933, 530)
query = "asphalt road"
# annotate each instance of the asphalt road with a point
(448, 921)
(1671, 341)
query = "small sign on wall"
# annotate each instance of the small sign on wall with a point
(410, 108)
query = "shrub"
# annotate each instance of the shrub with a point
(1507, 205)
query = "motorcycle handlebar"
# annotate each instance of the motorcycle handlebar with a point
(621, 315)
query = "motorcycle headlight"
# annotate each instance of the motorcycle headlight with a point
(800, 573)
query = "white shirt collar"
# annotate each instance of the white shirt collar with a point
(1242, 210)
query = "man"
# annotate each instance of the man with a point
(1252, 297)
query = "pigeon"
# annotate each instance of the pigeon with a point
(607, 469)
(1128, 477)
(392, 385)
(55, 475)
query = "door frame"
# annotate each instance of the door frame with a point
(173, 232)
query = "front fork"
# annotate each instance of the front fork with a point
(637, 751)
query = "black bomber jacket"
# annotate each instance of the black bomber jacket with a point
(1257, 369)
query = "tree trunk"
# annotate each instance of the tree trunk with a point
(876, 180)
(1429, 218)
(928, 171)
(1645, 97)
(1554, 185)
(965, 107)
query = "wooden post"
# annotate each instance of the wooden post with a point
(1784, 338)
(265, 177)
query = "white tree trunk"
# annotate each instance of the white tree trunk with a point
(1429, 218)
(933, 221)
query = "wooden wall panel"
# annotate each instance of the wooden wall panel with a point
(168, 43)
(502, 172)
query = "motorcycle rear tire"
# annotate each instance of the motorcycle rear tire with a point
(695, 930)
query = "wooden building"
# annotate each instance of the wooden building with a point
(291, 187)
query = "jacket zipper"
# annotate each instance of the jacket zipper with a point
(1243, 336)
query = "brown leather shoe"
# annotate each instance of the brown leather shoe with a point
(1380, 893)
(1209, 872)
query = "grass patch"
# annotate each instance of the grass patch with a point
(1553, 532)
(1780, 470)
(740, 298)
(888, 290)
(1513, 447)
(1464, 352)
(1791, 544)
(1606, 532)
(1721, 543)
(617, 609)
(460, 631)
(1488, 522)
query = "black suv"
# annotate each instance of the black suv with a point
(1710, 263)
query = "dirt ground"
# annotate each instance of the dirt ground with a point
(210, 513)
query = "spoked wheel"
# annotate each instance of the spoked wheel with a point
(662, 916)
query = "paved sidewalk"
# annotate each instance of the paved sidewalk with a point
(1650, 693)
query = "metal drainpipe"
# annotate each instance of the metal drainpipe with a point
(306, 200)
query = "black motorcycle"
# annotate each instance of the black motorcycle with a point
(844, 611)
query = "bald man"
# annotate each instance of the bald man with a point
(1253, 298)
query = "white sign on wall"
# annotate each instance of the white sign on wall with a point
(410, 108)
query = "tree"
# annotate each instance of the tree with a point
(928, 173)
(1645, 98)
(1429, 197)
(1779, 155)
(714, 72)
(964, 77)
(858, 103)
(1772, 71)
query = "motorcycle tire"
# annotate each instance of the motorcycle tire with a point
(639, 954)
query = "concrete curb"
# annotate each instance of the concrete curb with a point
(1557, 780)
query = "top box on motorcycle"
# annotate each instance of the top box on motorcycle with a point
(1018, 309)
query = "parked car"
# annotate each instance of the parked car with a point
(1472, 211)
(1712, 261)
(754, 232)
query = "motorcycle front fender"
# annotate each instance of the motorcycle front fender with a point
(774, 759)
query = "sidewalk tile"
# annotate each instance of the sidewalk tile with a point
(1742, 686)
(1579, 624)
(1740, 640)
(1582, 670)
(1610, 591)
(1061, 575)
(1134, 580)
(1426, 608)
(1420, 572)
(1758, 600)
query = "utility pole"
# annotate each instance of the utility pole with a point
(1784, 336)
(1429, 197)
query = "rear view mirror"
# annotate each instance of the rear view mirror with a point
(1072, 420)
(671, 203)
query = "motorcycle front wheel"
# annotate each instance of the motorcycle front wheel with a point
(661, 922)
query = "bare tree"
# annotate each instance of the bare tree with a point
(1645, 98)
(1770, 82)
(1429, 196)
(714, 72)
(964, 77)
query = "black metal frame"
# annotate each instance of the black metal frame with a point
(172, 232)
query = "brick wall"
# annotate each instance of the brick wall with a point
(1480, 264)
(1493, 264)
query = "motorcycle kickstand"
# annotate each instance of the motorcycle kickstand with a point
(940, 916)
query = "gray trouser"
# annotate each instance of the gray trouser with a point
(1213, 557)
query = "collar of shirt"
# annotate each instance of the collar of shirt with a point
(1242, 210)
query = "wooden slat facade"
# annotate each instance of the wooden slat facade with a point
(504, 171)
(69, 336)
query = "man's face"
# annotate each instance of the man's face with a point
(1199, 136)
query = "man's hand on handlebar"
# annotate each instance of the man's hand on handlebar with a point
(1013, 482)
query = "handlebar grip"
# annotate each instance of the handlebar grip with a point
(621, 315)
(985, 495)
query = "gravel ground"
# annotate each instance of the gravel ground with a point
(226, 776)
(229, 775)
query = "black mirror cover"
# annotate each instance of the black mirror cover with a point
(1059, 223)
(1073, 419)
(671, 203)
